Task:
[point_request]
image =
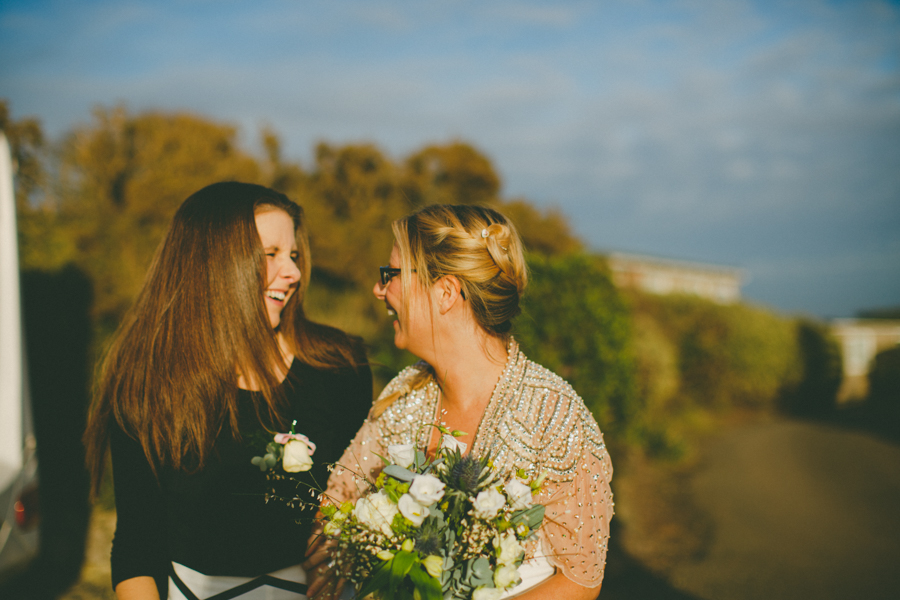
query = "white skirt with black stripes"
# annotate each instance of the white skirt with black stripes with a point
(285, 584)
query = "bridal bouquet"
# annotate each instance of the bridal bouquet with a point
(450, 527)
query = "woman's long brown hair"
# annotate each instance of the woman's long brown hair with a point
(169, 378)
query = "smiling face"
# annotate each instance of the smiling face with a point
(413, 319)
(276, 232)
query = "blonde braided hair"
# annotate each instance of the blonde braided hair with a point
(477, 245)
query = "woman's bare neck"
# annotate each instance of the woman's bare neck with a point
(468, 370)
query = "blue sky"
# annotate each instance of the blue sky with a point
(759, 134)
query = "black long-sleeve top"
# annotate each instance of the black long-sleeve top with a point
(216, 521)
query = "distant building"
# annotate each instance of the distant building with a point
(667, 276)
(860, 341)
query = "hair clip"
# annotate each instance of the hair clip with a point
(484, 233)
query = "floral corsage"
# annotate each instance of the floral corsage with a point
(294, 450)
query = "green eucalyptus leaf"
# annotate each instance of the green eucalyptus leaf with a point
(398, 472)
(530, 516)
(535, 515)
(481, 568)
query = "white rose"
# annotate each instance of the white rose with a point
(363, 512)
(451, 443)
(426, 489)
(487, 503)
(507, 576)
(412, 510)
(485, 593)
(509, 549)
(377, 512)
(519, 494)
(402, 455)
(296, 457)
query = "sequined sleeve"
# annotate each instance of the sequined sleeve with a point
(358, 465)
(537, 422)
(570, 449)
(579, 508)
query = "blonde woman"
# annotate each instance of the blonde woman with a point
(455, 278)
(215, 355)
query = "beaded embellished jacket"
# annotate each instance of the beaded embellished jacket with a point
(535, 421)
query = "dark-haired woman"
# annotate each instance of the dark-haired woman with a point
(213, 358)
(454, 281)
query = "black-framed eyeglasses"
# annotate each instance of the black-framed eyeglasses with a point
(388, 273)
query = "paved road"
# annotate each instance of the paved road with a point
(801, 510)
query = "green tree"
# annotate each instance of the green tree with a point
(575, 323)
(884, 380)
(821, 371)
(351, 197)
(454, 173)
(43, 242)
(286, 177)
(727, 354)
(546, 233)
(121, 180)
